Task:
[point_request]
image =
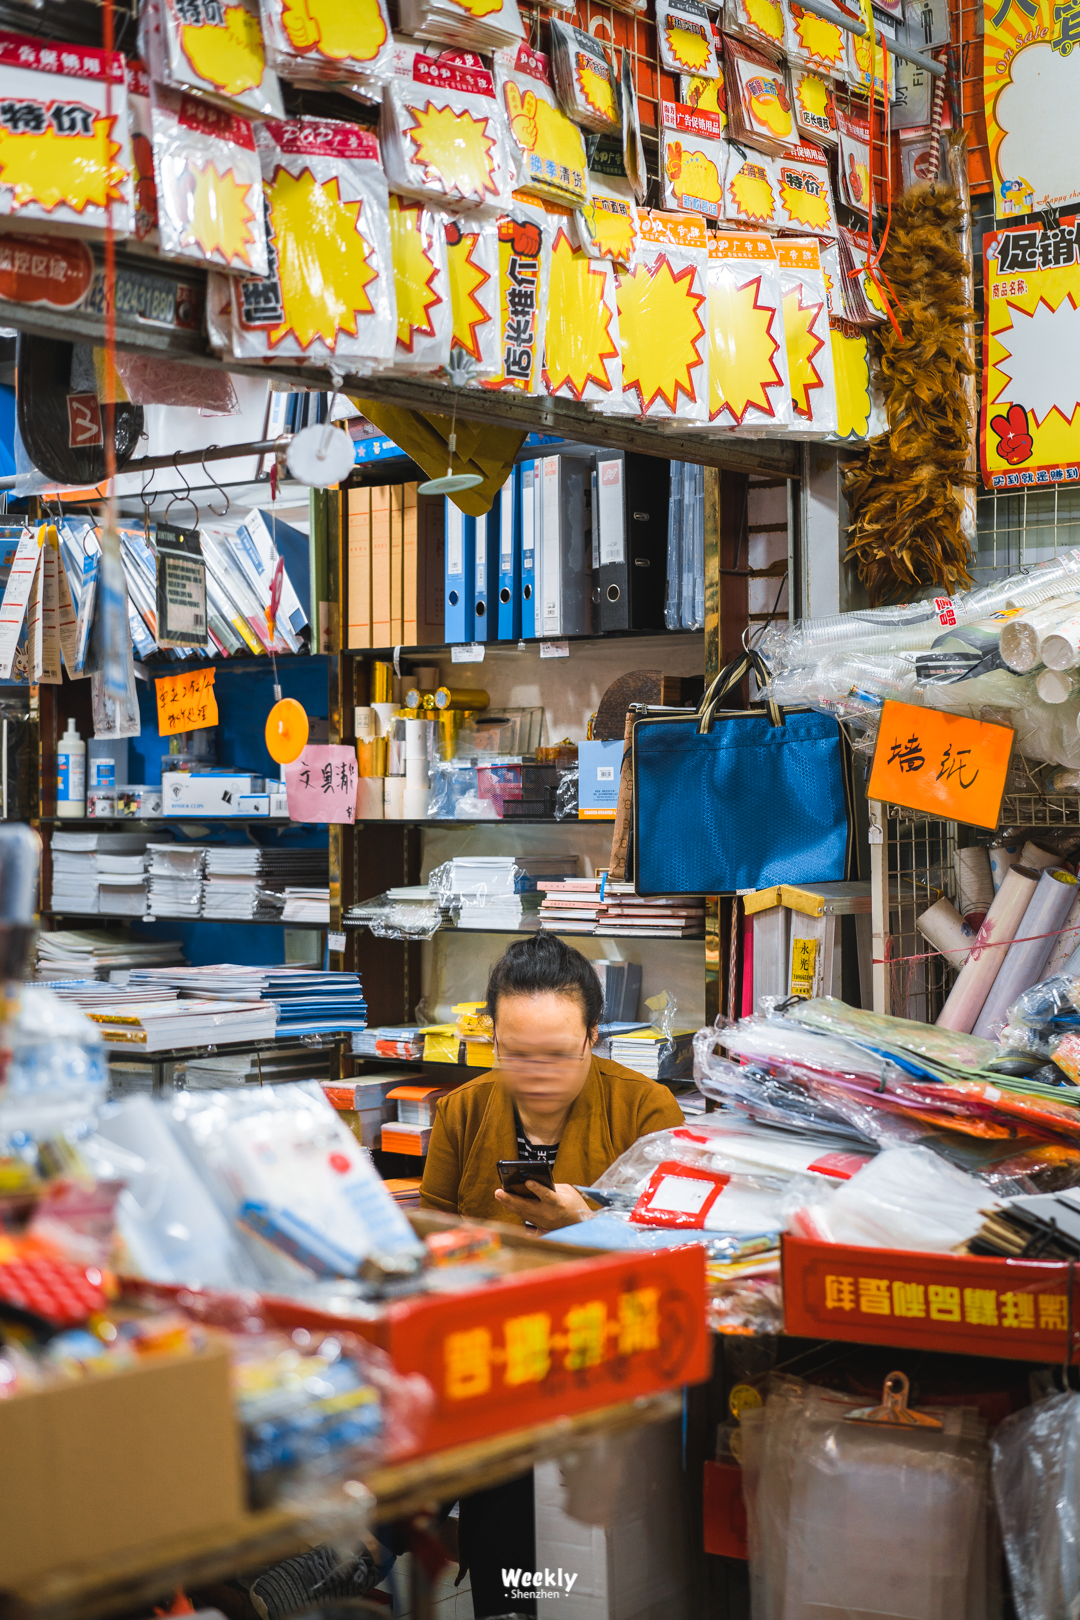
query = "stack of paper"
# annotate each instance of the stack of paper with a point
(586, 906)
(306, 906)
(264, 1068)
(570, 905)
(308, 1002)
(660, 1057)
(83, 864)
(176, 880)
(93, 953)
(155, 1026)
(92, 993)
(389, 1041)
(485, 889)
(243, 880)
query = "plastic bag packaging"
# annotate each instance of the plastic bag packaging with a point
(751, 188)
(759, 22)
(492, 27)
(65, 140)
(151, 380)
(114, 700)
(662, 313)
(906, 1198)
(685, 34)
(812, 99)
(1036, 1474)
(1058, 994)
(747, 388)
(550, 145)
(209, 184)
(806, 204)
(327, 42)
(472, 252)
(633, 152)
(566, 796)
(692, 160)
(585, 79)
(144, 236)
(421, 287)
(814, 43)
(581, 335)
(56, 1052)
(758, 100)
(391, 917)
(684, 607)
(214, 47)
(607, 225)
(330, 290)
(524, 237)
(443, 133)
(806, 319)
(1022, 636)
(732, 1145)
(949, 1049)
(847, 686)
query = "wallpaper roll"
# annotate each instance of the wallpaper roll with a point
(1034, 940)
(384, 713)
(1066, 943)
(971, 989)
(974, 883)
(1035, 858)
(943, 927)
(1002, 857)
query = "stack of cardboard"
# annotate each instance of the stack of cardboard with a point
(395, 568)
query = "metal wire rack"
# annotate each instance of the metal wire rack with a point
(920, 865)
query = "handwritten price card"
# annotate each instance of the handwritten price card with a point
(186, 702)
(321, 784)
(944, 764)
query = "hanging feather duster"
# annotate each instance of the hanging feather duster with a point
(905, 494)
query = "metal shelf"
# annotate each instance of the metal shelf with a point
(158, 821)
(128, 918)
(599, 933)
(1040, 810)
(589, 638)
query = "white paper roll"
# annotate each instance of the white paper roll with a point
(384, 713)
(369, 798)
(1022, 637)
(365, 724)
(974, 883)
(1061, 649)
(1002, 857)
(978, 973)
(393, 797)
(417, 733)
(1063, 947)
(416, 803)
(1034, 940)
(1031, 855)
(944, 928)
(416, 775)
(1055, 686)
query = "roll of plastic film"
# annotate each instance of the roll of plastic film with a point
(393, 798)
(382, 682)
(461, 698)
(998, 931)
(974, 883)
(371, 757)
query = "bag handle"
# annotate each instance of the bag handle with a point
(729, 677)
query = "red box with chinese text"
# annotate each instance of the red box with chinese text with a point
(724, 1511)
(968, 1304)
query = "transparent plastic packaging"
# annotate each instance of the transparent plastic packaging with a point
(209, 184)
(551, 148)
(421, 285)
(566, 796)
(905, 1198)
(945, 1048)
(1060, 994)
(317, 43)
(429, 95)
(213, 47)
(1036, 1474)
(56, 1053)
(731, 1145)
(389, 917)
(586, 82)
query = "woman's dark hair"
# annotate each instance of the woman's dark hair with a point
(530, 967)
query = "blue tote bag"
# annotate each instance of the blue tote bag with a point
(727, 799)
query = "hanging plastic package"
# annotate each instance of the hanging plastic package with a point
(705, 94)
(748, 374)
(758, 22)
(443, 134)
(581, 337)
(860, 72)
(214, 48)
(854, 137)
(524, 237)
(758, 100)
(551, 146)
(864, 298)
(472, 25)
(113, 698)
(684, 32)
(65, 138)
(585, 79)
(421, 285)
(806, 334)
(60, 414)
(144, 230)
(329, 42)
(662, 316)
(633, 152)
(691, 160)
(608, 223)
(813, 42)
(472, 257)
(805, 195)
(329, 293)
(1037, 1488)
(209, 184)
(815, 108)
(751, 188)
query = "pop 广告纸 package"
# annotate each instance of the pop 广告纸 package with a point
(813, 42)
(854, 134)
(421, 286)
(815, 108)
(213, 48)
(551, 145)
(691, 160)
(608, 223)
(209, 184)
(443, 134)
(864, 291)
(758, 100)
(758, 22)
(472, 258)
(662, 320)
(329, 42)
(329, 292)
(686, 38)
(806, 335)
(706, 95)
(804, 193)
(581, 334)
(584, 79)
(65, 139)
(748, 375)
(751, 192)
(471, 25)
(524, 243)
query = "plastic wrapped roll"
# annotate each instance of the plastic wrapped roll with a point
(1062, 948)
(1002, 858)
(1022, 637)
(943, 927)
(1025, 960)
(977, 976)
(365, 724)
(417, 734)
(393, 798)
(1055, 686)
(1035, 858)
(384, 714)
(369, 798)
(974, 884)
(1061, 649)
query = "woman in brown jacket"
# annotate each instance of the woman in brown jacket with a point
(549, 1101)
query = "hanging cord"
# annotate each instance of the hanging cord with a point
(873, 257)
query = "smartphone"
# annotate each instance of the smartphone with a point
(514, 1173)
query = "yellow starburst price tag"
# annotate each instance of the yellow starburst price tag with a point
(421, 281)
(216, 47)
(814, 41)
(685, 36)
(805, 195)
(806, 334)
(748, 380)
(751, 190)
(209, 199)
(815, 109)
(662, 316)
(316, 42)
(691, 160)
(582, 333)
(472, 253)
(444, 137)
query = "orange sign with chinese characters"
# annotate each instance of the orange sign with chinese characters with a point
(945, 764)
(186, 702)
(962, 1303)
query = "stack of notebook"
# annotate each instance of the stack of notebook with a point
(156, 1026)
(176, 880)
(306, 905)
(96, 871)
(660, 1057)
(389, 1041)
(93, 953)
(307, 1001)
(588, 906)
(92, 993)
(224, 1070)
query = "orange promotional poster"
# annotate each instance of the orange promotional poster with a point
(65, 144)
(1031, 92)
(1030, 426)
(945, 764)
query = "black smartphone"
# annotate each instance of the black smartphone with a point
(514, 1173)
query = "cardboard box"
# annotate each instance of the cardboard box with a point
(208, 793)
(117, 1461)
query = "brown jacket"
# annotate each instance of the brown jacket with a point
(474, 1128)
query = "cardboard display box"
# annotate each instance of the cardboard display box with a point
(116, 1461)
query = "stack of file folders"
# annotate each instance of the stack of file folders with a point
(307, 1001)
(176, 880)
(97, 871)
(93, 953)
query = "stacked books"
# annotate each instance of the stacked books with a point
(621, 984)
(659, 1057)
(91, 953)
(389, 1041)
(404, 1191)
(97, 871)
(176, 880)
(307, 906)
(589, 906)
(307, 1001)
(156, 1026)
(91, 993)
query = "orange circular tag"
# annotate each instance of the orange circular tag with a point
(286, 731)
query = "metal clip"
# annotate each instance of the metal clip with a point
(894, 1411)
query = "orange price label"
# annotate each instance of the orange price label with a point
(944, 764)
(186, 702)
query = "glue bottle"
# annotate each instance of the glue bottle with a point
(71, 773)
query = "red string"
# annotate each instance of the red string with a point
(991, 944)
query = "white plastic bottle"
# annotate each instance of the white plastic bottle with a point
(71, 773)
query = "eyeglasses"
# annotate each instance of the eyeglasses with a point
(550, 1060)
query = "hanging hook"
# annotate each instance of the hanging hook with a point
(186, 496)
(147, 481)
(217, 486)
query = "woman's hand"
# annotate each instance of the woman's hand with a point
(549, 1209)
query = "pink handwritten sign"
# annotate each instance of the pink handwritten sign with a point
(321, 784)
